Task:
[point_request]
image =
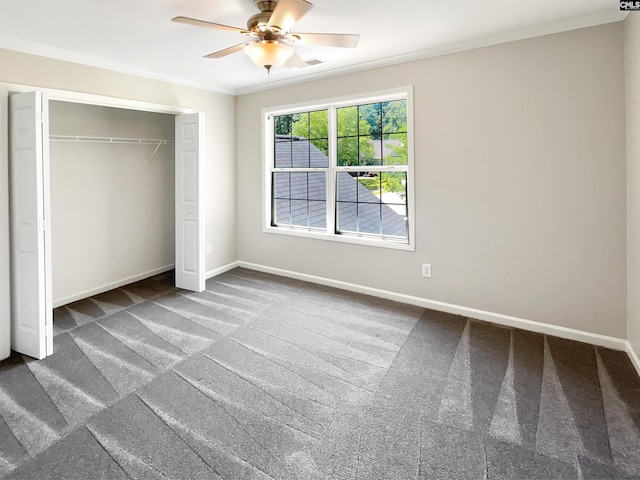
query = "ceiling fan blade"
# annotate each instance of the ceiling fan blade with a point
(343, 40)
(295, 61)
(226, 51)
(287, 13)
(203, 23)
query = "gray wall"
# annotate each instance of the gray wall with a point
(520, 182)
(632, 64)
(112, 211)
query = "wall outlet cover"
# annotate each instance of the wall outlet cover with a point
(426, 270)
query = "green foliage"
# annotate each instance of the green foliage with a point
(283, 124)
(394, 116)
(385, 182)
(371, 114)
(371, 183)
(354, 145)
(384, 117)
(399, 153)
(394, 182)
(311, 125)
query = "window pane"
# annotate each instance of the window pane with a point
(367, 154)
(300, 125)
(299, 186)
(369, 187)
(317, 186)
(394, 187)
(369, 219)
(299, 213)
(347, 187)
(394, 208)
(320, 152)
(319, 124)
(281, 185)
(395, 149)
(370, 115)
(282, 212)
(319, 157)
(317, 214)
(348, 151)
(282, 125)
(394, 220)
(394, 116)
(347, 217)
(282, 154)
(347, 121)
(300, 154)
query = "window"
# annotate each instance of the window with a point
(342, 170)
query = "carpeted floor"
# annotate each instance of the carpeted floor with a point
(262, 377)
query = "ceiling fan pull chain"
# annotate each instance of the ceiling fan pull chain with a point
(268, 88)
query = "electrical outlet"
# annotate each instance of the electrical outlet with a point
(426, 270)
(209, 249)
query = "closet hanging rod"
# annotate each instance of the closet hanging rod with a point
(79, 138)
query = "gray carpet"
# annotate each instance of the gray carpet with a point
(262, 377)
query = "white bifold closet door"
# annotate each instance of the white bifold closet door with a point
(31, 310)
(31, 279)
(190, 273)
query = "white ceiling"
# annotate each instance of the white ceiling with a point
(137, 36)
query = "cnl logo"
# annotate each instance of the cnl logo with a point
(630, 5)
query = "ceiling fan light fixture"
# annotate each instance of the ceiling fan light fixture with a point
(268, 53)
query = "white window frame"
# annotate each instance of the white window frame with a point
(329, 234)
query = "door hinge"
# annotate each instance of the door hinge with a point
(39, 116)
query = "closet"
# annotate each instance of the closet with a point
(100, 197)
(112, 197)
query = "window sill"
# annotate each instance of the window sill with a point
(353, 239)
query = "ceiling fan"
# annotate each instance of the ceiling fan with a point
(270, 34)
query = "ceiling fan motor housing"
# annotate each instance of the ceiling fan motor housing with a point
(266, 9)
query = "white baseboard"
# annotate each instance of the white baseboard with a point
(633, 356)
(105, 288)
(221, 270)
(498, 318)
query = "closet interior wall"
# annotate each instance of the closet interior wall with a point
(112, 204)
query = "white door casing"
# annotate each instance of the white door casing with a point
(189, 161)
(5, 290)
(31, 307)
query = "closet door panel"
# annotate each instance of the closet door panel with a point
(31, 309)
(5, 292)
(190, 268)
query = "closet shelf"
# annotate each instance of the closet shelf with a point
(77, 138)
(138, 141)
